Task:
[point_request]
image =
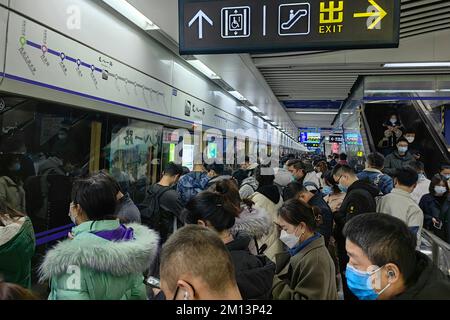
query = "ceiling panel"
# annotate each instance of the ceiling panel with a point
(330, 76)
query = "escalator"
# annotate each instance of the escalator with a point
(429, 142)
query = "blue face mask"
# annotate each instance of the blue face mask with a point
(342, 188)
(402, 149)
(327, 190)
(360, 283)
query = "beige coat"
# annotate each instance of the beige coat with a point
(309, 275)
(12, 193)
(400, 204)
(271, 239)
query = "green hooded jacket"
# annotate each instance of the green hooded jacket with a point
(89, 267)
(16, 253)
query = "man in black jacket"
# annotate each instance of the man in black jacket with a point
(382, 248)
(360, 199)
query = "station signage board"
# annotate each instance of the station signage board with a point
(336, 139)
(255, 26)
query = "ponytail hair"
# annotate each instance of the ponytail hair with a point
(296, 211)
(220, 207)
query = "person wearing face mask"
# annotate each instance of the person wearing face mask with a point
(333, 194)
(306, 271)
(102, 259)
(384, 263)
(436, 208)
(11, 185)
(302, 172)
(414, 148)
(218, 211)
(64, 147)
(394, 129)
(400, 204)
(313, 197)
(196, 265)
(398, 159)
(445, 172)
(423, 183)
(359, 199)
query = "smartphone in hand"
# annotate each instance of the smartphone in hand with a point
(153, 282)
(437, 224)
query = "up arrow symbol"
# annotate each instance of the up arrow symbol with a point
(200, 16)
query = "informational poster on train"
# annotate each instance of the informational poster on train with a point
(239, 26)
(188, 156)
(44, 58)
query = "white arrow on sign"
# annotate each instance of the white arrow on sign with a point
(200, 16)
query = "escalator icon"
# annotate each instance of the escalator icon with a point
(294, 19)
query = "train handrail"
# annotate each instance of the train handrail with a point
(440, 251)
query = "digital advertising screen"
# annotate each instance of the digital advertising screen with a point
(353, 139)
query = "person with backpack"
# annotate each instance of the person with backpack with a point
(359, 199)
(162, 207)
(250, 184)
(374, 175)
(217, 172)
(192, 183)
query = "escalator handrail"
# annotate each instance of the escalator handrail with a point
(441, 243)
(436, 136)
(367, 129)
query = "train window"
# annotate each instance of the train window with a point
(45, 146)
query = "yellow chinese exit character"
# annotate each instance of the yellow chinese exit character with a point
(335, 15)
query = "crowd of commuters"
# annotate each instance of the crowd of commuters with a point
(306, 230)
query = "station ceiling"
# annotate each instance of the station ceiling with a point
(318, 82)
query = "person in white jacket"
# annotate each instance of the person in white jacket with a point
(400, 204)
(423, 184)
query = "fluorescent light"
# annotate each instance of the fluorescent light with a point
(444, 90)
(255, 109)
(317, 113)
(400, 91)
(237, 95)
(132, 14)
(200, 66)
(418, 65)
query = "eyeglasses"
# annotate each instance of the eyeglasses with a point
(186, 294)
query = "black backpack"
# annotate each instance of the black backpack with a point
(151, 211)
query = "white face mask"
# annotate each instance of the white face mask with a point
(291, 240)
(439, 190)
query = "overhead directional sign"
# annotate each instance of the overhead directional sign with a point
(200, 16)
(257, 26)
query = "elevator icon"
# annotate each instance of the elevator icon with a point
(236, 22)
